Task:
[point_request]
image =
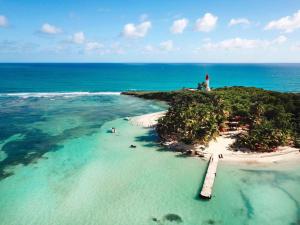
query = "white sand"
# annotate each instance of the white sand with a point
(147, 120)
(222, 146)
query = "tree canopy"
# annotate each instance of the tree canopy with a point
(194, 116)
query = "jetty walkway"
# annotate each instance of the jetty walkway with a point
(211, 173)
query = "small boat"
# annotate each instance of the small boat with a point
(132, 146)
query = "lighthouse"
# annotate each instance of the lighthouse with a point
(207, 83)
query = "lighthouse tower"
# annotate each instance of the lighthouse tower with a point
(207, 83)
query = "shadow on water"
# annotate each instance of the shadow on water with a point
(197, 196)
(276, 178)
(247, 204)
(149, 140)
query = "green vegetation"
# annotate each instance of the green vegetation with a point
(268, 119)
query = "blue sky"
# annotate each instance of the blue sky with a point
(149, 31)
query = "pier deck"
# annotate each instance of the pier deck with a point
(211, 172)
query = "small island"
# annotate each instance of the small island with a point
(231, 120)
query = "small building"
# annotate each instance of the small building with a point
(207, 88)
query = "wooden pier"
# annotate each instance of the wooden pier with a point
(211, 172)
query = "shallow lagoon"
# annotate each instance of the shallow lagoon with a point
(86, 175)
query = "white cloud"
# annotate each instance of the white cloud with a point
(286, 24)
(280, 40)
(179, 26)
(149, 48)
(50, 29)
(238, 21)
(3, 21)
(93, 46)
(131, 30)
(167, 45)
(118, 51)
(240, 43)
(162, 47)
(78, 38)
(207, 23)
(116, 48)
(295, 47)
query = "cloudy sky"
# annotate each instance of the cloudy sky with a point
(149, 31)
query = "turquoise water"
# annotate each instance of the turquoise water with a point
(121, 77)
(60, 165)
(82, 174)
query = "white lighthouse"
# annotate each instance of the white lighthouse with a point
(207, 83)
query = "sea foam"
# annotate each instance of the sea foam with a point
(56, 94)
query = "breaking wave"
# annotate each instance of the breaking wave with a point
(56, 94)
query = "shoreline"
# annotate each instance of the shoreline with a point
(147, 120)
(222, 144)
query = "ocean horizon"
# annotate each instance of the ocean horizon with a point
(118, 77)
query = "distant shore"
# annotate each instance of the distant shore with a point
(222, 146)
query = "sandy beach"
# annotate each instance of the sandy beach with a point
(221, 145)
(147, 120)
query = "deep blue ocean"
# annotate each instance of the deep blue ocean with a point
(15, 78)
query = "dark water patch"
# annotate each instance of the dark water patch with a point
(273, 176)
(15, 119)
(35, 144)
(245, 180)
(295, 223)
(276, 179)
(297, 204)
(154, 219)
(148, 140)
(173, 218)
(10, 126)
(109, 108)
(96, 126)
(29, 117)
(247, 204)
(8, 131)
(212, 222)
(75, 132)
